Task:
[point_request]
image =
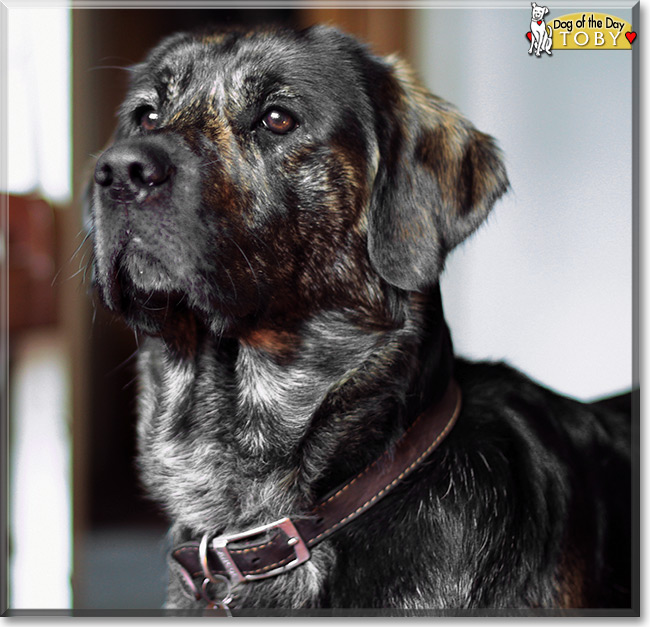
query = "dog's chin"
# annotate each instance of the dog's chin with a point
(147, 310)
(158, 308)
(149, 307)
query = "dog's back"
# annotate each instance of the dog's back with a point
(528, 504)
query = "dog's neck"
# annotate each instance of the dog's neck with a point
(370, 382)
(284, 417)
(405, 371)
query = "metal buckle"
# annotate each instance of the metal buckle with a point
(220, 546)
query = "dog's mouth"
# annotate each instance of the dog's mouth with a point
(157, 304)
(142, 292)
(156, 292)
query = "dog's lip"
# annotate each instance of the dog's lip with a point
(153, 309)
(126, 292)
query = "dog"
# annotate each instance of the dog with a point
(540, 36)
(272, 219)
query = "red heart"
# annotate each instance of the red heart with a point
(630, 36)
(529, 35)
(539, 22)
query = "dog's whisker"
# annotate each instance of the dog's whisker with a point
(480, 453)
(83, 265)
(88, 266)
(130, 382)
(266, 246)
(81, 270)
(208, 163)
(232, 283)
(55, 278)
(253, 275)
(111, 67)
(127, 66)
(123, 363)
(86, 237)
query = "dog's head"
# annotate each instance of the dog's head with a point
(277, 173)
(538, 11)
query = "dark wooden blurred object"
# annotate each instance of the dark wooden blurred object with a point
(32, 263)
(384, 29)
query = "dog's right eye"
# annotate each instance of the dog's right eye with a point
(147, 118)
(279, 121)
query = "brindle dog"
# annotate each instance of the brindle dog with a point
(274, 216)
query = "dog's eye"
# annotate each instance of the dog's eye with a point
(147, 118)
(279, 121)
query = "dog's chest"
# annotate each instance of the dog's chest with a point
(190, 443)
(274, 401)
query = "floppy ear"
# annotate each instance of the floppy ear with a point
(436, 181)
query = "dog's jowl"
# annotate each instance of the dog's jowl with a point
(273, 218)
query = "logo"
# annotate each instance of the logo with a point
(577, 31)
(541, 39)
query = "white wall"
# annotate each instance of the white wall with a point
(40, 468)
(546, 283)
(39, 114)
(39, 150)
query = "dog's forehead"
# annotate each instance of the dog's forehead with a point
(239, 68)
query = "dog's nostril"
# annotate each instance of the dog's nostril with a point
(136, 174)
(103, 174)
(149, 173)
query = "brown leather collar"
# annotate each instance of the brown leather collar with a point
(272, 549)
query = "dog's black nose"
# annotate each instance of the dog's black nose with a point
(133, 166)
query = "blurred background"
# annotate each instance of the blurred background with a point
(547, 284)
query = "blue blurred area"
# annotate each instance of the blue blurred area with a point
(547, 283)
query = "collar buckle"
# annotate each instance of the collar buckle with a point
(219, 545)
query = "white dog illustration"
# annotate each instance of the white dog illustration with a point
(540, 36)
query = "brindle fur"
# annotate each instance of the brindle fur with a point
(288, 289)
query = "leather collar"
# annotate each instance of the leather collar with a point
(272, 549)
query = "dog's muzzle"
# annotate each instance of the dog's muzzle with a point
(136, 268)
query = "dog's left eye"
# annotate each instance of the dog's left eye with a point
(147, 118)
(279, 121)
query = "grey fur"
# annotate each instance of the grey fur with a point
(206, 436)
